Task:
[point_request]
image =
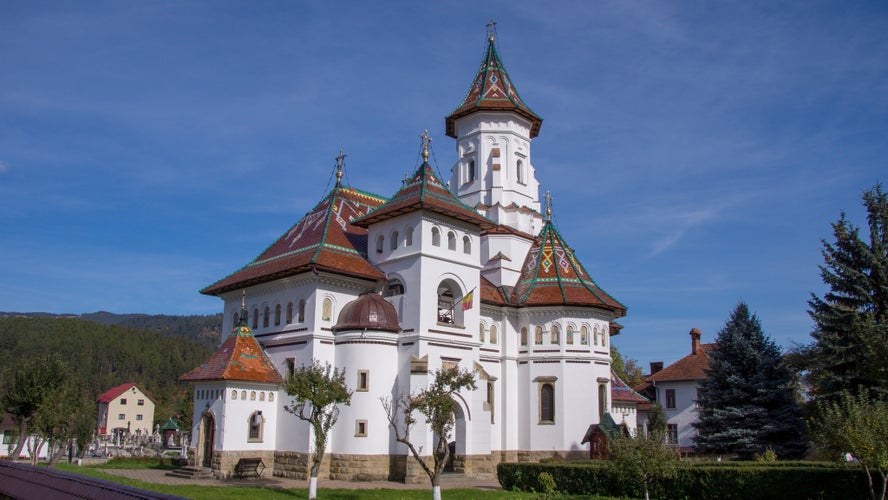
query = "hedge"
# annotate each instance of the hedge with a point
(726, 481)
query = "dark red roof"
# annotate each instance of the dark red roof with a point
(690, 367)
(323, 240)
(622, 392)
(496, 295)
(552, 275)
(424, 191)
(492, 90)
(240, 357)
(112, 393)
(369, 311)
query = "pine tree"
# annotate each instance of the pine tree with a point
(748, 401)
(851, 333)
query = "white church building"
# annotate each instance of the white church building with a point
(469, 273)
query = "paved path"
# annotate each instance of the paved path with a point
(448, 481)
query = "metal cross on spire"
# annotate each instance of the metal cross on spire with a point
(548, 198)
(339, 161)
(426, 141)
(491, 30)
(243, 314)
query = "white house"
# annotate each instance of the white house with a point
(124, 409)
(467, 273)
(677, 389)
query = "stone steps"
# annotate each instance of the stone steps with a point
(191, 472)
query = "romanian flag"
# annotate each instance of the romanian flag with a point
(468, 300)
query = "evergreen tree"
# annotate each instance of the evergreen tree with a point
(851, 333)
(749, 401)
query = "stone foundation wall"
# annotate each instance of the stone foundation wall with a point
(349, 467)
(292, 465)
(225, 461)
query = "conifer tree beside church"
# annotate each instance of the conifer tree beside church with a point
(851, 333)
(748, 402)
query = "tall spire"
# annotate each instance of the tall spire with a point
(426, 141)
(339, 162)
(548, 198)
(492, 90)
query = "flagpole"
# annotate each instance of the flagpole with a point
(460, 300)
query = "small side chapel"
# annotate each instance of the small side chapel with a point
(468, 273)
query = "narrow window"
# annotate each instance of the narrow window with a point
(262, 396)
(538, 335)
(481, 332)
(244, 395)
(524, 335)
(252, 395)
(363, 380)
(436, 237)
(493, 334)
(451, 240)
(265, 317)
(277, 315)
(519, 171)
(445, 306)
(271, 397)
(570, 335)
(255, 318)
(595, 335)
(670, 398)
(554, 335)
(327, 311)
(394, 242)
(380, 242)
(233, 394)
(235, 319)
(470, 174)
(289, 312)
(672, 434)
(301, 311)
(602, 400)
(547, 403)
(360, 428)
(490, 399)
(255, 423)
(409, 236)
(584, 335)
(467, 245)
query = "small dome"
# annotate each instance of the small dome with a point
(369, 311)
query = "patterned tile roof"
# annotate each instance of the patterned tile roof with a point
(622, 392)
(552, 275)
(112, 393)
(323, 240)
(240, 357)
(690, 367)
(492, 90)
(424, 191)
(496, 295)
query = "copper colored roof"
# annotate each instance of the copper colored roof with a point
(240, 357)
(424, 191)
(369, 311)
(323, 240)
(114, 392)
(552, 275)
(492, 90)
(495, 295)
(622, 392)
(690, 367)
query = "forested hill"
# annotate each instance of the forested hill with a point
(101, 356)
(204, 329)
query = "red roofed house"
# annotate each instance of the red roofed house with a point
(677, 389)
(125, 408)
(466, 273)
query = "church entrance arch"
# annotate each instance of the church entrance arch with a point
(207, 434)
(457, 444)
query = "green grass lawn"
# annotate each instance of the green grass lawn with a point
(237, 492)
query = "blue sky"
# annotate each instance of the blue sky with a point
(696, 151)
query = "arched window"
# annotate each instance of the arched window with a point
(595, 336)
(235, 319)
(395, 287)
(470, 173)
(554, 337)
(233, 394)
(436, 237)
(570, 335)
(301, 317)
(394, 243)
(255, 318)
(604, 337)
(244, 395)
(467, 245)
(252, 395)
(538, 335)
(547, 403)
(491, 399)
(449, 311)
(519, 171)
(380, 241)
(493, 334)
(481, 332)
(584, 335)
(409, 236)
(602, 400)
(523, 335)
(289, 312)
(255, 424)
(327, 310)
(451, 240)
(271, 397)
(266, 316)
(262, 396)
(277, 315)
